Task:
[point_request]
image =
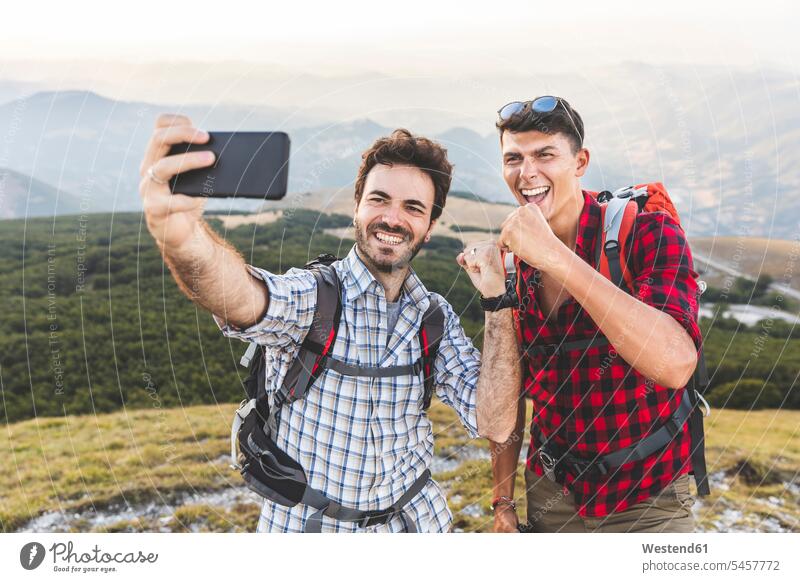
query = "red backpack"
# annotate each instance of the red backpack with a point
(618, 212)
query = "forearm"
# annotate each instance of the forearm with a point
(505, 457)
(213, 274)
(500, 376)
(651, 341)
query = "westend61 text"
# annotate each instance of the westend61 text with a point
(675, 549)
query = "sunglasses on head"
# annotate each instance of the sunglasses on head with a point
(544, 104)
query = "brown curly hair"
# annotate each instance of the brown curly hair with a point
(406, 149)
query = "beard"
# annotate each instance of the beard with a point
(379, 259)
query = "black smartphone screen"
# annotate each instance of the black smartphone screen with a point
(249, 164)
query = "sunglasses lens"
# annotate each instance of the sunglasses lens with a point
(544, 104)
(511, 110)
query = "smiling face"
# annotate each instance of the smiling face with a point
(542, 169)
(393, 216)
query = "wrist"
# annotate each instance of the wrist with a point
(494, 288)
(503, 502)
(499, 298)
(559, 262)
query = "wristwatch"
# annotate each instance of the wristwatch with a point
(504, 301)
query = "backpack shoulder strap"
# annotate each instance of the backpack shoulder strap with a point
(618, 221)
(618, 218)
(430, 336)
(306, 367)
(317, 344)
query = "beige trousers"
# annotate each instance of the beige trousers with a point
(550, 510)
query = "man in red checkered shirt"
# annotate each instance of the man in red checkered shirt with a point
(607, 395)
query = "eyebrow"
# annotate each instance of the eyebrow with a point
(383, 194)
(535, 152)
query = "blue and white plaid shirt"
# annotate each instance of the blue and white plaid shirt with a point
(363, 441)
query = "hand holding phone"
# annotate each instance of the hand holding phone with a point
(171, 219)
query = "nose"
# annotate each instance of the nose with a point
(529, 170)
(391, 216)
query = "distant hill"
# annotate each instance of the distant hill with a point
(22, 196)
(467, 217)
(780, 259)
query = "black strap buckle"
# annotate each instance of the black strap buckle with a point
(547, 461)
(549, 465)
(555, 465)
(611, 248)
(377, 517)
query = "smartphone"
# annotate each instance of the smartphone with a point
(249, 164)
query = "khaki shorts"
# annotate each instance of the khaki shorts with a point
(550, 510)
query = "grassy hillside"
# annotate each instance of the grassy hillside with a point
(167, 470)
(755, 256)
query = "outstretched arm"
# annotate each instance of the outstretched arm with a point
(207, 269)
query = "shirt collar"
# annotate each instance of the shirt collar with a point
(358, 280)
(588, 223)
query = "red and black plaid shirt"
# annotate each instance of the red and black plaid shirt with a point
(591, 401)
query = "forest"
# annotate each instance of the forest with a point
(93, 321)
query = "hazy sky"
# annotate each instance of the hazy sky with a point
(409, 37)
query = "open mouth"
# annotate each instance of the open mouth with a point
(389, 239)
(535, 195)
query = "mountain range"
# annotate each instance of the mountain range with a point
(723, 142)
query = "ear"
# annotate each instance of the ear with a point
(430, 228)
(582, 158)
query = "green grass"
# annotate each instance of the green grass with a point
(77, 463)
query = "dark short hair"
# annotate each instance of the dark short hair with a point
(563, 119)
(406, 149)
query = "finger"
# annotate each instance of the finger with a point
(167, 119)
(460, 260)
(179, 134)
(164, 138)
(532, 207)
(166, 168)
(489, 251)
(512, 216)
(470, 256)
(502, 243)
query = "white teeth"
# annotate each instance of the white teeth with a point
(535, 191)
(388, 239)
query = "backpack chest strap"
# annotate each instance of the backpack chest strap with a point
(371, 371)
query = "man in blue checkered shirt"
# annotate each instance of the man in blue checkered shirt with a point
(363, 441)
